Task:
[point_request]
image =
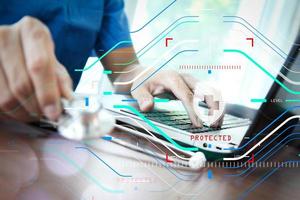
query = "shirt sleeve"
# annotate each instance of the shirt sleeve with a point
(114, 28)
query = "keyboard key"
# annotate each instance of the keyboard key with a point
(180, 120)
(170, 123)
(200, 130)
(180, 117)
(184, 127)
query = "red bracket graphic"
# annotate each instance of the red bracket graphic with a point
(252, 159)
(167, 159)
(252, 41)
(167, 39)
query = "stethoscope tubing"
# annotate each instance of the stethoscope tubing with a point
(177, 160)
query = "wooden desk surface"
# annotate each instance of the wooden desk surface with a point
(54, 168)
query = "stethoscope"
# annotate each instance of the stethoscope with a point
(196, 160)
(79, 124)
(96, 122)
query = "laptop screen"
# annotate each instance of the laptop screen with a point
(259, 40)
(291, 72)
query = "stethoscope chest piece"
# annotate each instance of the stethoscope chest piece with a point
(79, 124)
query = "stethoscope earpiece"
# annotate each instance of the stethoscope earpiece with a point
(197, 161)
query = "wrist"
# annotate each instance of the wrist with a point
(128, 76)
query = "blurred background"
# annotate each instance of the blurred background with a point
(210, 27)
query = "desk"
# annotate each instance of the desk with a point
(50, 167)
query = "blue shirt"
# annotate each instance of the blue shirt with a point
(78, 27)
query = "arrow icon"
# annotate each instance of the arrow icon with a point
(168, 160)
(252, 159)
(167, 39)
(252, 41)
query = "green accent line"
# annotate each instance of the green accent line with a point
(292, 100)
(258, 100)
(81, 170)
(107, 72)
(105, 54)
(161, 100)
(263, 69)
(156, 128)
(163, 36)
(107, 93)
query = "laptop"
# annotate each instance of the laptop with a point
(241, 122)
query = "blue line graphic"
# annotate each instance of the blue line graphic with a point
(135, 59)
(86, 101)
(257, 153)
(189, 16)
(268, 126)
(82, 171)
(94, 154)
(257, 37)
(270, 151)
(137, 30)
(107, 138)
(209, 174)
(258, 32)
(105, 54)
(129, 100)
(170, 169)
(168, 188)
(262, 35)
(283, 144)
(265, 177)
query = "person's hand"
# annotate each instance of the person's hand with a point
(32, 81)
(181, 85)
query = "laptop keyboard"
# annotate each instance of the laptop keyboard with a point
(180, 120)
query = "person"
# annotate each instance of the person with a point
(43, 42)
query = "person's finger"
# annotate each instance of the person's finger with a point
(15, 71)
(64, 81)
(212, 104)
(179, 88)
(190, 80)
(144, 98)
(40, 60)
(9, 105)
(219, 122)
